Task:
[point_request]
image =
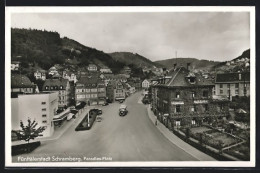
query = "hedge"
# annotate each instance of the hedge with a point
(24, 148)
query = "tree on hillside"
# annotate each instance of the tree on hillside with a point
(30, 131)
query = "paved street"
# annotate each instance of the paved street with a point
(130, 138)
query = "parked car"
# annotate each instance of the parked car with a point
(122, 110)
(99, 118)
(70, 116)
(105, 104)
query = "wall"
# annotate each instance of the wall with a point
(30, 106)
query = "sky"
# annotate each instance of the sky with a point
(218, 36)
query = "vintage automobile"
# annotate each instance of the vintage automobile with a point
(122, 110)
(99, 118)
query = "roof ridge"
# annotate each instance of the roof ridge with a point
(174, 77)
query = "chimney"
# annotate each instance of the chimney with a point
(188, 66)
(239, 76)
(174, 66)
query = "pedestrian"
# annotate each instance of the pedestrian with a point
(156, 122)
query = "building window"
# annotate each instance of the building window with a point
(206, 107)
(193, 108)
(178, 108)
(205, 94)
(47, 87)
(43, 103)
(44, 115)
(221, 91)
(177, 95)
(193, 94)
(44, 122)
(236, 85)
(221, 86)
(245, 91)
(43, 109)
(236, 92)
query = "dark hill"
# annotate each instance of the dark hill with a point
(195, 63)
(46, 48)
(133, 59)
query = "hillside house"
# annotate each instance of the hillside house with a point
(15, 65)
(92, 68)
(40, 74)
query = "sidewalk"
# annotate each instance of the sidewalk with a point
(61, 130)
(177, 141)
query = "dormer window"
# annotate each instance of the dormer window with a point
(51, 87)
(177, 95)
(192, 80)
(61, 87)
(47, 87)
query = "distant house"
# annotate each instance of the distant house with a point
(145, 84)
(40, 74)
(90, 90)
(21, 84)
(15, 65)
(53, 70)
(115, 90)
(69, 75)
(228, 63)
(232, 84)
(105, 70)
(92, 67)
(61, 86)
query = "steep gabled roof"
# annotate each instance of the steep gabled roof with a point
(55, 83)
(180, 79)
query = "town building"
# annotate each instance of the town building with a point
(145, 84)
(69, 75)
(53, 70)
(40, 74)
(22, 84)
(186, 98)
(90, 90)
(15, 65)
(92, 67)
(40, 107)
(105, 70)
(62, 87)
(115, 91)
(135, 82)
(233, 84)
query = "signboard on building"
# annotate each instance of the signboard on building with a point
(177, 103)
(200, 101)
